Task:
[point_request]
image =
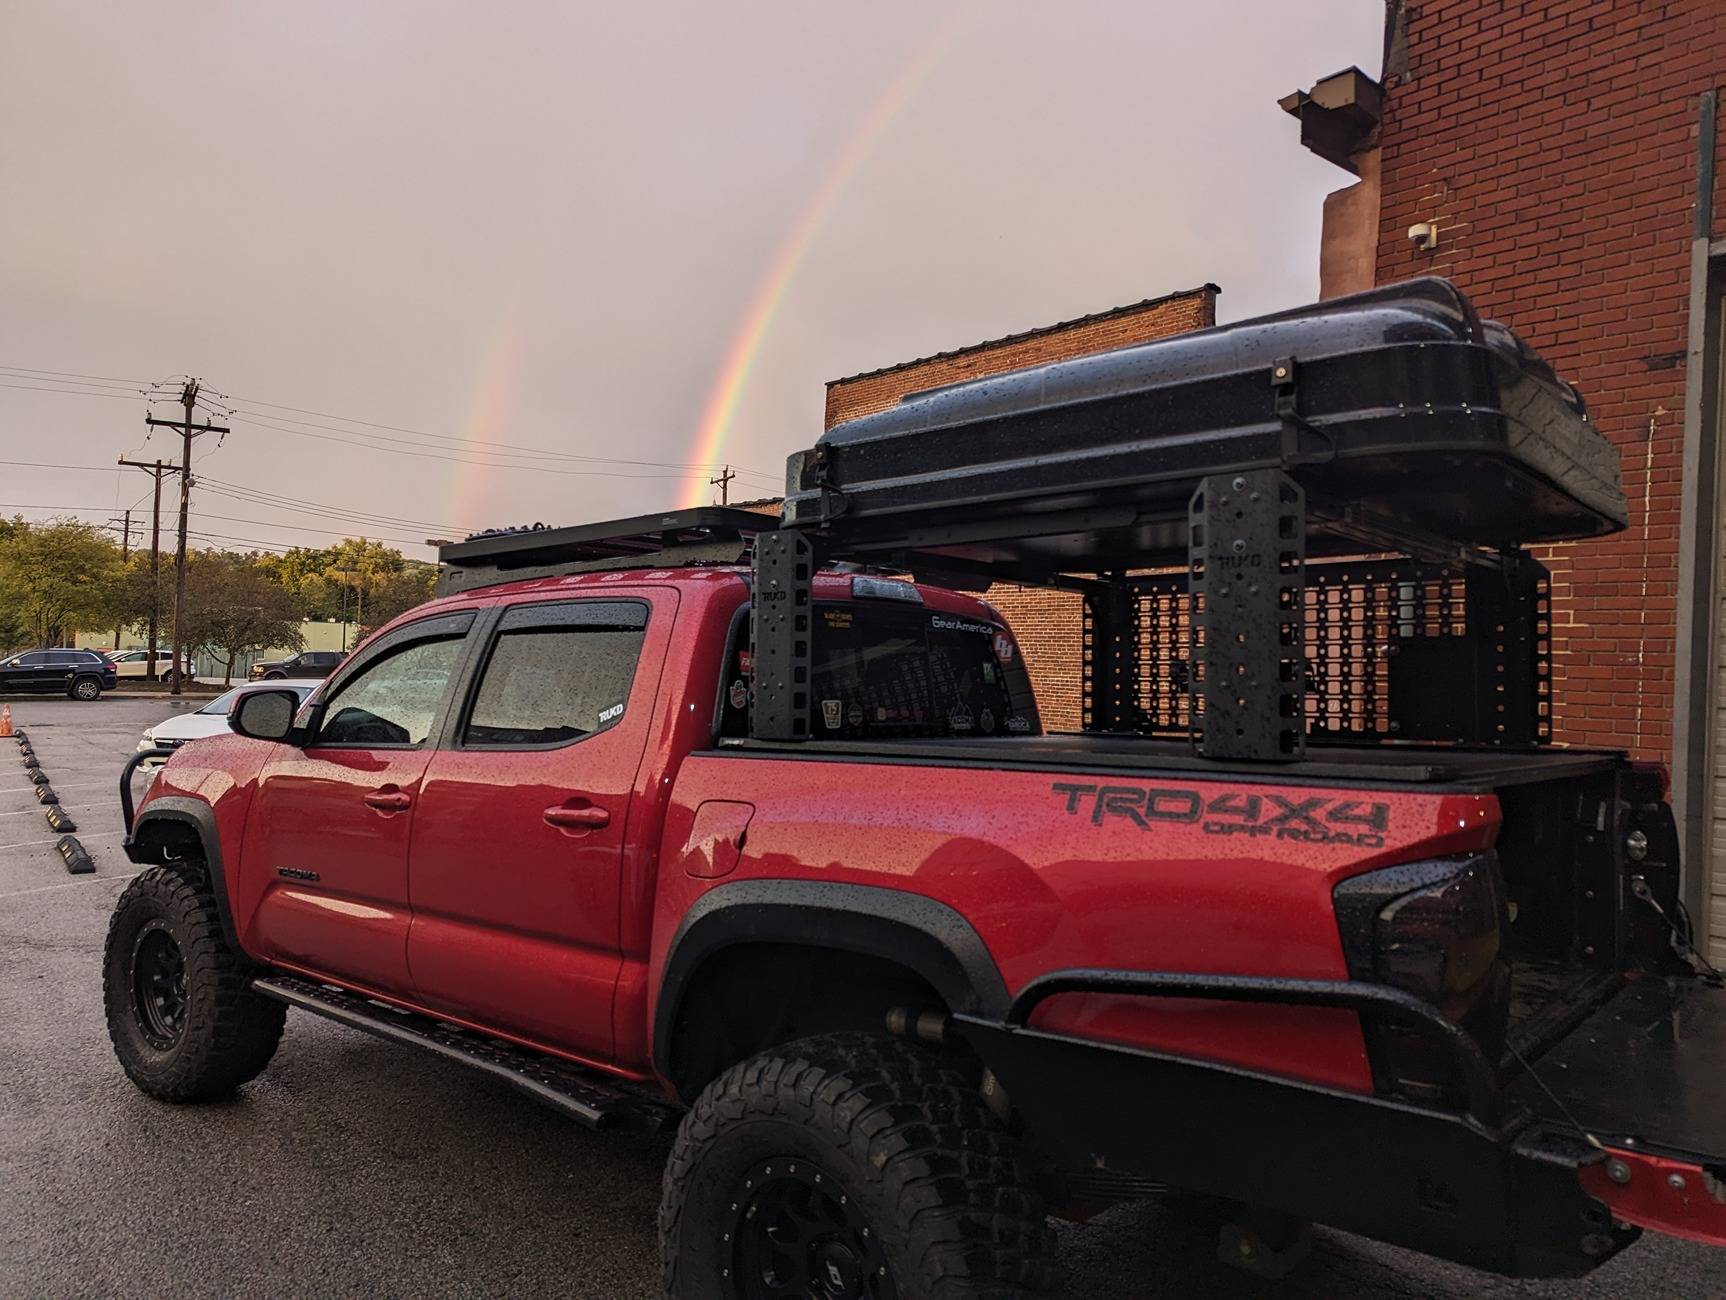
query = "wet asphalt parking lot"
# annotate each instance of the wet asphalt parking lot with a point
(355, 1168)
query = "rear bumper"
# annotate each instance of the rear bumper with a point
(1503, 1187)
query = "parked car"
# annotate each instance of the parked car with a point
(135, 663)
(82, 674)
(308, 663)
(676, 821)
(212, 719)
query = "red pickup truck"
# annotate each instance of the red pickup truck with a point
(922, 975)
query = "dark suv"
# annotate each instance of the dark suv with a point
(308, 663)
(82, 674)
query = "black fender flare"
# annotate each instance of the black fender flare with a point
(924, 935)
(201, 818)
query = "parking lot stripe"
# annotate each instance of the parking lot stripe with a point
(31, 844)
(77, 785)
(70, 884)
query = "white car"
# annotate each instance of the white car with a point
(134, 663)
(212, 719)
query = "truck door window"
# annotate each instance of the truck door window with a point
(393, 700)
(556, 674)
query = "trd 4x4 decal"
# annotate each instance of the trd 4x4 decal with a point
(1314, 819)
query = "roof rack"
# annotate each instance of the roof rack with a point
(679, 539)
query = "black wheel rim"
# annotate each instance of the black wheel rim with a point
(793, 1232)
(159, 986)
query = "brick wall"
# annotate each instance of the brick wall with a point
(1120, 327)
(1553, 142)
(1046, 623)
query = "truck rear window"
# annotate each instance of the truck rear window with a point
(885, 671)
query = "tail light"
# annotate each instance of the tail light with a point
(1434, 929)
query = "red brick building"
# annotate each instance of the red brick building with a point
(1046, 622)
(1560, 160)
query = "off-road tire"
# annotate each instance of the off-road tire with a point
(85, 688)
(226, 1033)
(947, 1196)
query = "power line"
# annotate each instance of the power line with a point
(227, 519)
(75, 392)
(504, 447)
(268, 497)
(351, 440)
(515, 451)
(46, 464)
(258, 496)
(78, 374)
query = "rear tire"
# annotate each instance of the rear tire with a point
(850, 1166)
(86, 689)
(181, 1012)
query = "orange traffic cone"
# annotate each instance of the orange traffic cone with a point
(5, 719)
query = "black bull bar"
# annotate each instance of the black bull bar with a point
(1492, 1186)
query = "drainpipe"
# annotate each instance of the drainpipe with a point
(1698, 541)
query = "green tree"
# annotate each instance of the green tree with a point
(361, 567)
(234, 605)
(58, 578)
(396, 593)
(300, 571)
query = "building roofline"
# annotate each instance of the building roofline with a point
(1093, 318)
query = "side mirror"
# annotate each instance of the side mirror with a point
(265, 715)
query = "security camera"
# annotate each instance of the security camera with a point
(1424, 236)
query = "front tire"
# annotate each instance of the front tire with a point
(86, 689)
(850, 1167)
(181, 1013)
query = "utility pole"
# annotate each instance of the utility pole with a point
(188, 431)
(346, 574)
(155, 470)
(125, 554)
(723, 482)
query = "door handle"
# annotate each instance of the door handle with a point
(387, 800)
(582, 817)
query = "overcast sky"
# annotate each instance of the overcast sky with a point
(640, 232)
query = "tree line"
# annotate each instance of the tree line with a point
(64, 577)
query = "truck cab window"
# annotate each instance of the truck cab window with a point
(392, 701)
(554, 683)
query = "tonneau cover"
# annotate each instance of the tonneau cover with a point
(1397, 406)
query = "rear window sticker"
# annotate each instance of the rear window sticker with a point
(986, 721)
(746, 662)
(1003, 647)
(739, 694)
(831, 713)
(960, 719)
(837, 617)
(1017, 724)
(854, 715)
(947, 623)
(611, 714)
